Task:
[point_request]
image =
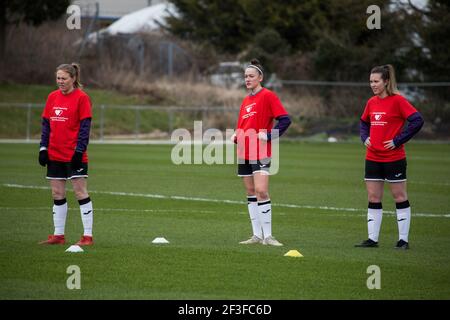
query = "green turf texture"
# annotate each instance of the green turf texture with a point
(204, 259)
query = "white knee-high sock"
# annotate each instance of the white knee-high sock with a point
(265, 216)
(252, 204)
(374, 218)
(403, 219)
(87, 215)
(59, 216)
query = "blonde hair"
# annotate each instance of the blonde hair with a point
(387, 74)
(73, 70)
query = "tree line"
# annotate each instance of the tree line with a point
(330, 38)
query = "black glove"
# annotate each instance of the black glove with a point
(43, 157)
(76, 160)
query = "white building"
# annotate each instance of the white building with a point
(113, 9)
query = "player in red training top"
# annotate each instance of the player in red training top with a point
(253, 136)
(381, 131)
(66, 123)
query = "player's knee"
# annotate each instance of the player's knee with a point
(400, 197)
(58, 194)
(250, 191)
(262, 194)
(375, 198)
(80, 193)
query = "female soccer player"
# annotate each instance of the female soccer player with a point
(253, 137)
(66, 123)
(381, 131)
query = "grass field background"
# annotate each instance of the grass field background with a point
(323, 183)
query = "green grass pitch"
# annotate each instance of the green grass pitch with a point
(322, 181)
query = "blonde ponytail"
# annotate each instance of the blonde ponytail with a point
(392, 84)
(77, 83)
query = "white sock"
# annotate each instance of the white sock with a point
(374, 217)
(265, 217)
(254, 216)
(403, 220)
(59, 216)
(87, 215)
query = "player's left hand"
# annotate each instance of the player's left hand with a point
(389, 144)
(233, 138)
(76, 160)
(262, 136)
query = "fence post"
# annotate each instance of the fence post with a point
(170, 121)
(137, 123)
(204, 115)
(28, 121)
(102, 120)
(170, 59)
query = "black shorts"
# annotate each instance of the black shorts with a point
(249, 167)
(386, 171)
(57, 170)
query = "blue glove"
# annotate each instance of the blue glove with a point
(76, 160)
(43, 157)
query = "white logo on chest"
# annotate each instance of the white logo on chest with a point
(377, 117)
(58, 112)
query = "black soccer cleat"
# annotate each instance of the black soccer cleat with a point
(402, 244)
(369, 243)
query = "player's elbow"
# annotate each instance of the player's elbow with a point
(288, 121)
(421, 122)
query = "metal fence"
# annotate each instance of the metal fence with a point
(316, 108)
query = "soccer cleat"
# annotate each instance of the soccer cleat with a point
(253, 240)
(85, 241)
(54, 239)
(271, 241)
(369, 243)
(402, 244)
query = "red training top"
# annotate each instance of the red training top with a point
(257, 114)
(386, 117)
(64, 113)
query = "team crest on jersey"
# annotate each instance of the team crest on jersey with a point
(249, 107)
(59, 113)
(379, 119)
(249, 113)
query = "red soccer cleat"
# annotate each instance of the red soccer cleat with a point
(54, 239)
(85, 241)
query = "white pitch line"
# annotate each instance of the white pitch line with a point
(184, 198)
(447, 184)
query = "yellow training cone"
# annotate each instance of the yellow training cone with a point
(293, 253)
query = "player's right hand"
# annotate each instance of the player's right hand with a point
(367, 142)
(43, 157)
